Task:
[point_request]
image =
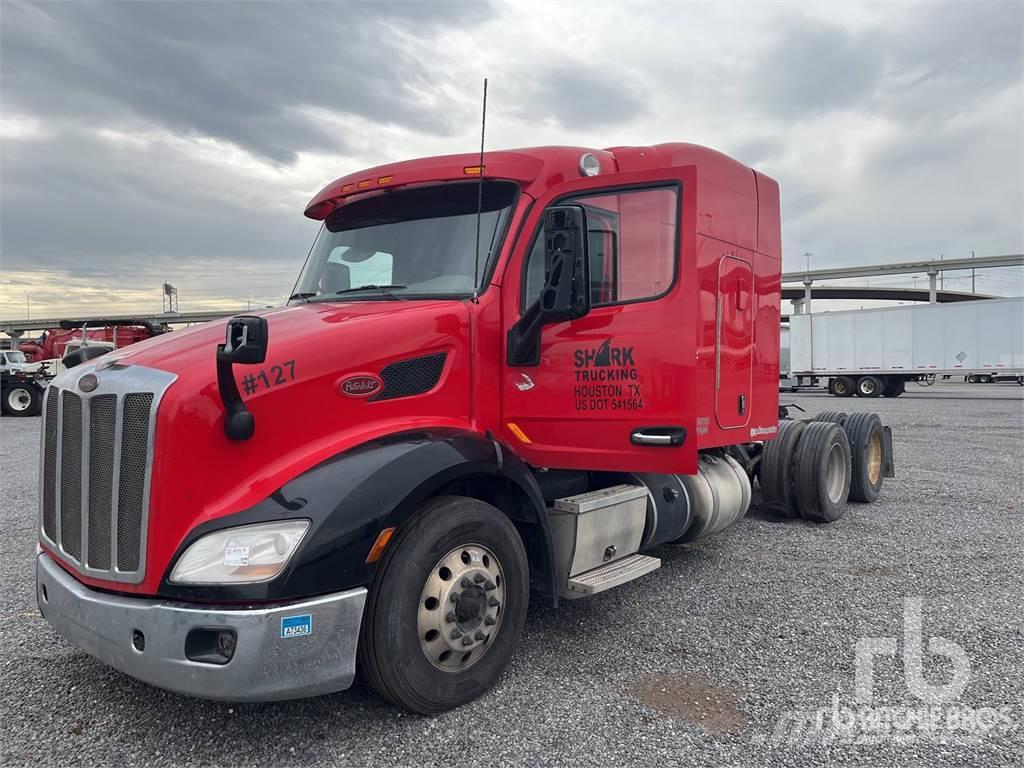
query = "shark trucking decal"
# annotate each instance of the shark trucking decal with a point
(606, 378)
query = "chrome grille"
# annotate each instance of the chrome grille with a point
(132, 484)
(102, 424)
(49, 468)
(71, 475)
(96, 462)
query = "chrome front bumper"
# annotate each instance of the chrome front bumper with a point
(281, 652)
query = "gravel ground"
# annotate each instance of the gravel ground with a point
(710, 660)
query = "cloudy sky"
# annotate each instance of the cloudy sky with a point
(180, 141)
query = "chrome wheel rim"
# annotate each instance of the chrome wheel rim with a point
(460, 607)
(19, 400)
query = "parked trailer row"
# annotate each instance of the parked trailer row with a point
(872, 352)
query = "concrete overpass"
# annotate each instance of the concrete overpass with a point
(800, 297)
(17, 328)
(932, 268)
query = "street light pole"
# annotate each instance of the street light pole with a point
(28, 305)
(972, 274)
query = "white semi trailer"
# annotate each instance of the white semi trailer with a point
(872, 352)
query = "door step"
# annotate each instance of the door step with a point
(611, 575)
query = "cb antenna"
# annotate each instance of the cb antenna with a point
(480, 200)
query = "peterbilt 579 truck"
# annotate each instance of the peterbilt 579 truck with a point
(493, 378)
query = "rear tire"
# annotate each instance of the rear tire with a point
(833, 417)
(842, 386)
(437, 587)
(776, 470)
(869, 386)
(867, 449)
(822, 472)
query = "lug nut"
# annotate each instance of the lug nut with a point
(455, 597)
(450, 616)
(479, 635)
(489, 621)
(479, 577)
(456, 634)
(465, 582)
(492, 601)
(467, 640)
(490, 586)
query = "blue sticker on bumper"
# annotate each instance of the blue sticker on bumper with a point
(297, 626)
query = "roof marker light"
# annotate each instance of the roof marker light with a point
(385, 179)
(473, 170)
(589, 164)
(347, 187)
(364, 183)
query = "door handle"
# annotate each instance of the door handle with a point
(666, 437)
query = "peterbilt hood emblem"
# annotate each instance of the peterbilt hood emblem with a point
(361, 385)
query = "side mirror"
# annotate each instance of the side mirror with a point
(566, 291)
(245, 342)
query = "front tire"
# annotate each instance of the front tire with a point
(447, 606)
(21, 400)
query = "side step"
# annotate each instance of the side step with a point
(612, 575)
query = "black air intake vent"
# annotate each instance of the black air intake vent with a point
(411, 377)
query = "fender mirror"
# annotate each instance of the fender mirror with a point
(566, 291)
(245, 342)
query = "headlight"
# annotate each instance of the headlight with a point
(245, 554)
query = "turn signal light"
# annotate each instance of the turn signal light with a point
(379, 545)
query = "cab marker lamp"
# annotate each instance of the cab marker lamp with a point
(241, 555)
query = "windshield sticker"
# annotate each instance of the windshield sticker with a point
(296, 626)
(606, 379)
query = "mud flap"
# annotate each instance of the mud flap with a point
(889, 468)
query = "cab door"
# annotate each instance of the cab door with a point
(734, 342)
(613, 390)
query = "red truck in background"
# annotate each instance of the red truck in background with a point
(492, 378)
(52, 344)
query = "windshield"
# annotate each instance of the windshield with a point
(409, 243)
(16, 357)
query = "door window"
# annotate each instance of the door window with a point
(631, 241)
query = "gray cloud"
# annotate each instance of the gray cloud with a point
(235, 71)
(580, 97)
(813, 67)
(895, 130)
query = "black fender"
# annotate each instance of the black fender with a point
(352, 496)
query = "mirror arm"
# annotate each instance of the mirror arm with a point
(239, 423)
(246, 343)
(524, 338)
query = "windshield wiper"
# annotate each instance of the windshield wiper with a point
(304, 295)
(385, 289)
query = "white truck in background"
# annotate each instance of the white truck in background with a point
(872, 352)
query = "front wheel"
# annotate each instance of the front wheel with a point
(22, 400)
(446, 609)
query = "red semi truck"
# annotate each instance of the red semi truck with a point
(521, 374)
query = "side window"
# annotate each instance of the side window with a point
(631, 240)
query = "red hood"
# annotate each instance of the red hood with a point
(199, 474)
